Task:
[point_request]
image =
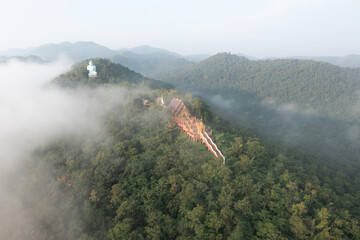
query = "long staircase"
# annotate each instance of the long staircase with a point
(213, 146)
(194, 127)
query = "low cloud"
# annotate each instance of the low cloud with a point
(34, 112)
(29, 111)
(289, 108)
(219, 101)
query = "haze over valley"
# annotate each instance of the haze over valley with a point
(180, 120)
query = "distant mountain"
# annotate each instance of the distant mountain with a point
(149, 61)
(151, 64)
(146, 49)
(76, 51)
(108, 73)
(310, 84)
(347, 61)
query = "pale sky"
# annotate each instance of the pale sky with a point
(260, 28)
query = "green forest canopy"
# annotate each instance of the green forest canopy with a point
(314, 85)
(146, 180)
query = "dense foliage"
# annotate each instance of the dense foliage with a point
(309, 105)
(144, 179)
(312, 85)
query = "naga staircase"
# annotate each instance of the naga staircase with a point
(192, 126)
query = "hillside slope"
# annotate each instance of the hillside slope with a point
(147, 180)
(311, 85)
(304, 104)
(144, 179)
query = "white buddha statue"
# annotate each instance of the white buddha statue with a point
(92, 69)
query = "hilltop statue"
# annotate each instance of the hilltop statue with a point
(92, 69)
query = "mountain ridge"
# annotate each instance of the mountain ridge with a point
(147, 60)
(310, 84)
(352, 60)
(47, 51)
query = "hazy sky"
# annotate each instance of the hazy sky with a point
(261, 28)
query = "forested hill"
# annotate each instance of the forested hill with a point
(144, 179)
(316, 85)
(108, 73)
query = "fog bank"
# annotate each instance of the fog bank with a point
(33, 113)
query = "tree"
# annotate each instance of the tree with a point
(237, 146)
(298, 228)
(267, 230)
(214, 221)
